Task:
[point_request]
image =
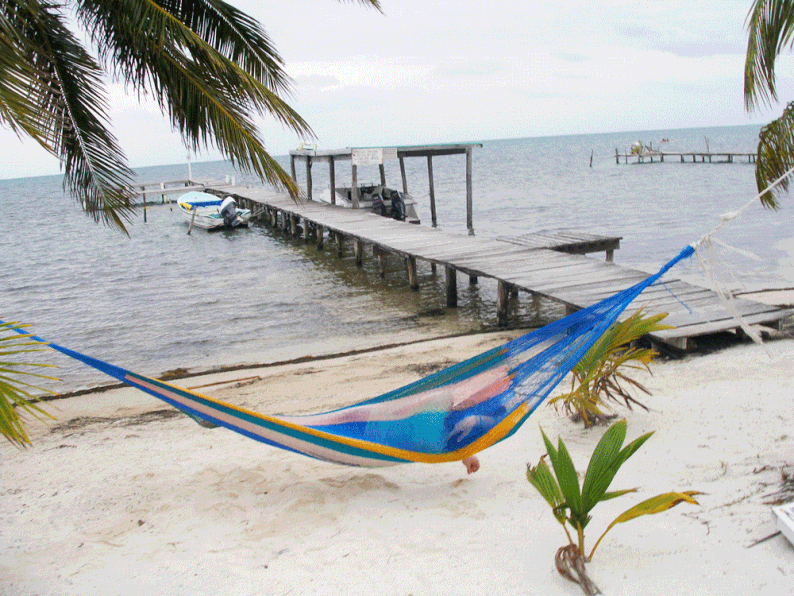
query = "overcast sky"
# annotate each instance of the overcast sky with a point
(457, 71)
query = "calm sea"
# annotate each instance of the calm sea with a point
(161, 299)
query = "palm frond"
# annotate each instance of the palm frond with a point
(69, 111)
(15, 392)
(209, 66)
(775, 156)
(770, 26)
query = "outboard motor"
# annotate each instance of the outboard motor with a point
(378, 206)
(229, 211)
(397, 206)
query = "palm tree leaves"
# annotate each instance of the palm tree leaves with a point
(55, 95)
(770, 25)
(210, 67)
(775, 156)
(15, 393)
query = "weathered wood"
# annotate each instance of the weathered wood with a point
(340, 244)
(358, 251)
(292, 168)
(320, 236)
(452, 286)
(380, 255)
(502, 295)
(433, 218)
(354, 185)
(413, 280)
(332, 180)
(402, 173)
(570, 279)
(469, 194)
(382, 174)
(309, 178)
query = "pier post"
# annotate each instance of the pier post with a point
(617, 156)
(340, 244)
(354, 185)
(305, 229)
(320, 236)
(382, 174)
(292, 168)
(452, 286)
(379, 254)
(432, 191)
(293, 225)
(358, 250)
(502, 294)
(469, 216)
(309, 177)
(332, 177)
(413, 281)
(402, 173)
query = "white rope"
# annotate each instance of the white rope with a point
(711, 262)
(726, 218)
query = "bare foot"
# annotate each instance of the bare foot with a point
(472, 464)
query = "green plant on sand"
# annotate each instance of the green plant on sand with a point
(600, 375)
(573, 506)
(14, 391)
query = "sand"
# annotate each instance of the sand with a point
(119, 496)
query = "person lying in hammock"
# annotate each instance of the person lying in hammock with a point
(439, 420)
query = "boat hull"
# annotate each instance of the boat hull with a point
(202, 210)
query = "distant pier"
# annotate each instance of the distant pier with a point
(685, 156)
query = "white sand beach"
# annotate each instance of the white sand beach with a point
(119, 497)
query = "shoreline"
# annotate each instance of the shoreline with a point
(119, 494)
(186, 373)
(781, 297)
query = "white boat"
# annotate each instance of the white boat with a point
(206, 211)
(378, 199)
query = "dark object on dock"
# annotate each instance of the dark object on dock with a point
(359, 156)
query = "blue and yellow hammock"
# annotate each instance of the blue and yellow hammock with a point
(447, 416)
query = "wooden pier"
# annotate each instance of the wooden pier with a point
(548, 264)
(360, 156)
(163, 189)
(685, 156)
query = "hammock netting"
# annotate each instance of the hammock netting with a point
(446, 416)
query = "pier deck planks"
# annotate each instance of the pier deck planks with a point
(548, 263)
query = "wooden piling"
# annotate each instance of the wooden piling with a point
(452, 286)
(433, 217)
(358, 251)
(413, 280)
(502, 294)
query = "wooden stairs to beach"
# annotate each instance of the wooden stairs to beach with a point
(550, 263)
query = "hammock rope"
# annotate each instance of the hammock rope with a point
(447, 416)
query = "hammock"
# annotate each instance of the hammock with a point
(444, 417)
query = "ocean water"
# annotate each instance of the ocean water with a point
(161, 299)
